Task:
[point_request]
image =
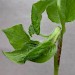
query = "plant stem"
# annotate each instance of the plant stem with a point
(44, 35)
(60, 40)
(59, 49)
(57, 56)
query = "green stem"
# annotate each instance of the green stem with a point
(60, 40)
(57, 56)
(59, 49)
(45, 36)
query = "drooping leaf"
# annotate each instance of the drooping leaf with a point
(39, 49)
(58, 11)
(17, 36)
(31, 30)
(36, 15)
(27, 52)
(19, 55)
(33, 49)
(31, 44)
(49, 46)
(46, 55)
(46, 44)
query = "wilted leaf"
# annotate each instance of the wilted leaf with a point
(34, 49)
(19, 55)
(16, 36)
(46, 55)
(31, 30)
(36, 15)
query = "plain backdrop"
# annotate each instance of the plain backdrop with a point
(13, 12)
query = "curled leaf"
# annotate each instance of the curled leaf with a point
(31, 30)
(36, 15)
(46, 55)
(17, 36)
(20, 55)
(33, 49)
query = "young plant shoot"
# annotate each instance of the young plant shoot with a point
(25, 49)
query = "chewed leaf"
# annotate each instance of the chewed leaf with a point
(17, 36)
(46, 55)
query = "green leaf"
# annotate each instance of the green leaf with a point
(36, 15)
(31, 44)
(39, 49)
(48, 47)
(27, 52)
(19, 55)
(33, 49)
(61, 11)
(48, 43)
(58, 11)
(17, 36)
(31, 30)
(52, 13)
(46, 55)
(70, 10)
